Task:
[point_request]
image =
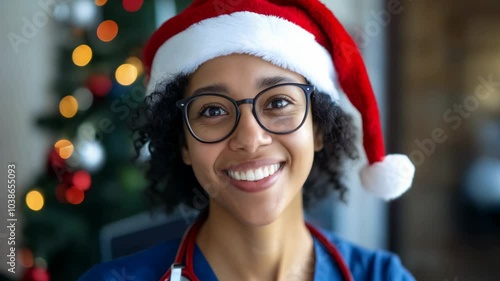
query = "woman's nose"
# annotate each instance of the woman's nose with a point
(248, 135)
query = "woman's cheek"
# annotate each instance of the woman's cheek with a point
(204, 161)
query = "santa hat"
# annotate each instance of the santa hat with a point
(299, 35)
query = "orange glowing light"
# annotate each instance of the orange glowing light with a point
(35, 200)
(100, 2)
(126, 74)
(68, 106)
(82, 55)
(135, 61)
(64, 148)
(107, 30)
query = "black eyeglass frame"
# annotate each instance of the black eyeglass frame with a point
(183, 105)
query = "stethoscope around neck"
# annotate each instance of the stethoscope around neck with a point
(182, 268)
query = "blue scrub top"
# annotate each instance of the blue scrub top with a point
(152, 263)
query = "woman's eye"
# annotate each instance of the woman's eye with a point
(278, 103)
(212, 111)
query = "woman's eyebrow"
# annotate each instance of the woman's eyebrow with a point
(274, 80)
(263, 82)
(216, 88)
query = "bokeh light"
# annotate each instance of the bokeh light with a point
(74, 196)
(86, 132)
(492, 103)
(135, 61)
(82, 180)
(64, 148)
(82, 55)
(132, 5)
(41, 263)
(68, 106)
(99, 84)
(107, 30)
(83, 13)
(26, 257)
(100, 2)
(126, 74)
(36, 273)
(84, 97)
(92, 155)
(61, 192)
(35, 200)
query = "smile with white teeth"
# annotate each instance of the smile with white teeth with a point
(254, 175)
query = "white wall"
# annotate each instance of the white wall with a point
(364, 219)
(27, 71)
(164, 9)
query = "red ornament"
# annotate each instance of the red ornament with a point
(74, 196)
(36, 274)
(82, 180)
(55, 164)
(99, 85)
(61, 192)
(132, 5)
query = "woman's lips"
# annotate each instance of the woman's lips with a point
(255, 185)
(254, 174)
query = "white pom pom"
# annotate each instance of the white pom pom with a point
(389, 178)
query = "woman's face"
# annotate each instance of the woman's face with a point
(250, 149)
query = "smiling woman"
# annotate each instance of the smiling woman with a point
(249, 147)
(160, 120)
(262, 124)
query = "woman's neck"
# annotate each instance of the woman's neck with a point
(281, 250)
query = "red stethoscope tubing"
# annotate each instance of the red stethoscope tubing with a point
(186, 248)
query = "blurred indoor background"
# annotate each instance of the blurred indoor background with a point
(71, 77)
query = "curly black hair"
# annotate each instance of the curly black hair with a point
(158, 125)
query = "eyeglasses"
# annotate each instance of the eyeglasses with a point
(280, 109)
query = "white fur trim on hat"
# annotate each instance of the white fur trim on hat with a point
(389, 178)
(273, 39)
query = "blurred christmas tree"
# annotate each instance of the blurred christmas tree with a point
(90, 179)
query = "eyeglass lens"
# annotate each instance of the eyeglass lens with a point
(279, 110)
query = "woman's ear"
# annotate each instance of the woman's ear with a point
(186, 158)
(318, 138)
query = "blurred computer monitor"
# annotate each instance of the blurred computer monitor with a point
(141, 231)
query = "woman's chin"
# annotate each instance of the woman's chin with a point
(260, 216)
(256, 210)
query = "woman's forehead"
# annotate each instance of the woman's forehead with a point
(235, 70)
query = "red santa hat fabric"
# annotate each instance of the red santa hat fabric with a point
(300, 35)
